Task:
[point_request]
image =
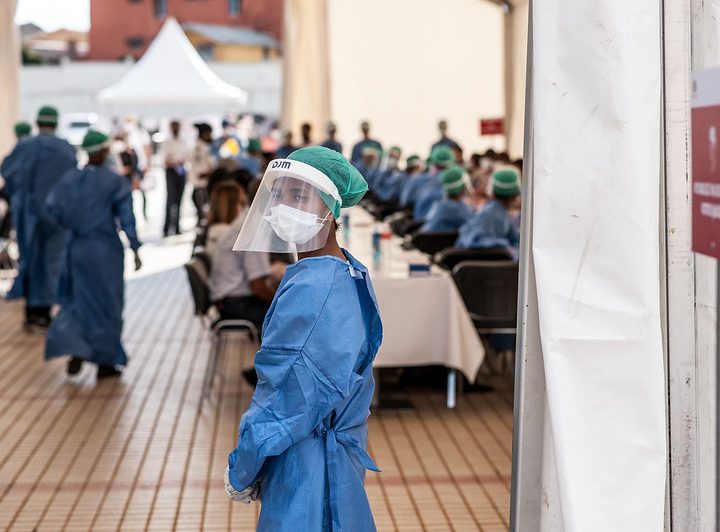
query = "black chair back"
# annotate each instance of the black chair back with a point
(198, 273)
(432, 243)
(490, 291)
(451, 257)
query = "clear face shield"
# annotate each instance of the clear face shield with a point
(290, 212)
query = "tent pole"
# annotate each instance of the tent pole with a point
(529, 403)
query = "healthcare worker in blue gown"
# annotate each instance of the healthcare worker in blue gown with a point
(30, 171)
(493, 225)
(451, 212)
(301, 448)
(93, 204)
(440, 159)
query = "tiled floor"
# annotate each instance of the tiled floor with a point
(138, 454)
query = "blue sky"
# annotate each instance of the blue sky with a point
(54, 14)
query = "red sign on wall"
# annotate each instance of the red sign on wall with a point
(492, 126)
(706, 167)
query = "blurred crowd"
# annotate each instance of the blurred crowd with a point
(473, 201)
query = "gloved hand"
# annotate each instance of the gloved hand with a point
(249, 494)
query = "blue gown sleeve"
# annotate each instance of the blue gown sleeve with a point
(124, 212)
(14, 166)
(305, 369)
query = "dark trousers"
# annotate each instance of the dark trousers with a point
(37, 314)
(175, 187)
(200, 199)
(244, 308)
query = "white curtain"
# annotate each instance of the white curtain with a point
(306, 78)
(596, 104)
(9, 75)
(516, 35)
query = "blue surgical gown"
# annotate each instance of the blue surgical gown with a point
(491, 227)
(284, 151)
(446, 215)
(93, 204)
(304, 437)
(368, 172)
(250, 164)
(358, 148)
(414, 186)
(30, 171)
(427, 198)
(390, 188)
(332, 145)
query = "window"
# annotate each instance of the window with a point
(135, 42)
(160, 8)
(135, 1)
(235, 7)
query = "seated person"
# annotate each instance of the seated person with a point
(440, 159)
(389, 191)
(388, 168)
(451, 213)
(493, 226)
(368, 165)
(241, 283)
(227, 200)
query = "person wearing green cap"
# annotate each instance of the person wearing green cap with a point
(493, 226)
(389, 192)
(369, 164)
(302, 443)
(331, 142)
(89, 324)
(30, 171)
(451, 212)
(22, 130)
(389, 167)
(251, 161)
(440, 159)
(366, 141)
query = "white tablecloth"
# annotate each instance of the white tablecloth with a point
(424, 318)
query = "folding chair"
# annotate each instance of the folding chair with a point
(451, 257)
(435, 242)
(490, 291)
(197, 271)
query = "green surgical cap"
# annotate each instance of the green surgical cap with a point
(506, 183)
(442, 156)
(350, 183)
(22, 129)
(453, 179)
(413, 160)
(94, 141)
(254, 144)
(396, 148)
(371, 150)
(47, 115)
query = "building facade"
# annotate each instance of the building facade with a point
(121, 28)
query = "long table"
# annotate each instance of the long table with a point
(424, 319)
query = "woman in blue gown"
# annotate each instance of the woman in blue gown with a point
(302, 443)
(93, 204)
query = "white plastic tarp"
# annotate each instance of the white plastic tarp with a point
(172, 77)
(596, 102)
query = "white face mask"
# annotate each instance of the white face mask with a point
(293, 225)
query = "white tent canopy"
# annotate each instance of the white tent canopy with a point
(171, 77)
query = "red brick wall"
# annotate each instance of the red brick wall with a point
(113, 22)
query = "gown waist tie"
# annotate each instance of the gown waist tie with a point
(351, 444)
